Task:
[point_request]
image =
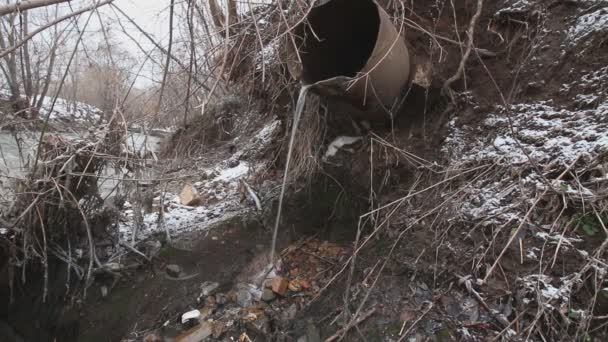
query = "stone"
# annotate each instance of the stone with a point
(233, 163)
(196, 334)
(244, 298)
(191, 315)
(173, 270)
(208, 288)
(279, 285)
(189, 196)
(290, 313)
(268, 295)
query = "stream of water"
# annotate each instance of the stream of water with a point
(294, 128)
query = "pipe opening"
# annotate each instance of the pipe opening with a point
(345, 33)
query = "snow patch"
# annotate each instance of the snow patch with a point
(587, 25)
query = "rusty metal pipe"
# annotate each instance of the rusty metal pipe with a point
(351, 50)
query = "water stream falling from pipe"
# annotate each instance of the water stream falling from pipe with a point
(294, 128)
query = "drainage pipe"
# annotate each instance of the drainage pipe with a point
(350, 49)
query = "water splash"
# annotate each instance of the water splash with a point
(294, 127)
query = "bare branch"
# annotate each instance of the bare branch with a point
(52, 23)
(26, 5)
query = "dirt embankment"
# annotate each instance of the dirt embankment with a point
(480, 217)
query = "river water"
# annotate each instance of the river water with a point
(13, 163)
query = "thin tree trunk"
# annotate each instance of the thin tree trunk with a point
(47, 79)
(168, 62)
(216, 14)
(27, 60)
(190, 14)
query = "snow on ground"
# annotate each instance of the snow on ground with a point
(220, 198)
(71, 111)
(588, 24)
(65, 111)
(219, 190)
(515, 6)
(543, 133)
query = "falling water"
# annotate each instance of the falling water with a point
(294, 128)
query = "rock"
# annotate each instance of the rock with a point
(173, 270)
(190, 315)
(244, 298)
(196, 334)
(268, 295)
(279, 285)
(189, 196)
(233, 163)
(290, 313)
(208, 288)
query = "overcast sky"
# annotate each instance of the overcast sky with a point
(150, 15)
